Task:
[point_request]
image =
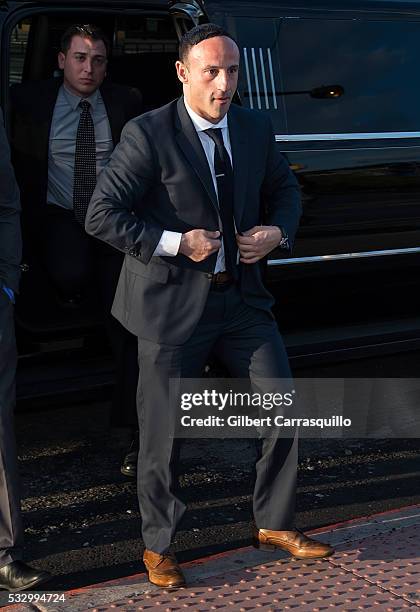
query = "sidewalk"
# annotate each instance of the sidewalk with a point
(376, 566)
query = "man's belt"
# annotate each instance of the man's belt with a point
(222, 279)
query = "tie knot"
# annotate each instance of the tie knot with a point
(216, 135)
(84, 105)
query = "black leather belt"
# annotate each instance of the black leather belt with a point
(222, 279)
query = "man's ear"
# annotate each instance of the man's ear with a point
(181, 71)
(61, 59)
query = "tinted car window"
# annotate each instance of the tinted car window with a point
(375, 62)
(134, 35)
(286, 62)
(18, 45)
(144, 55)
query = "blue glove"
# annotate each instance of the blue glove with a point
(10, 293)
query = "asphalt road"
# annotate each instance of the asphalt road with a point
(81, 516)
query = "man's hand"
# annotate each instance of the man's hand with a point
(199, 244)
(257, 242)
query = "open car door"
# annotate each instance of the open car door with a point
(186, 14)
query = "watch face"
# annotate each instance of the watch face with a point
(284, 242)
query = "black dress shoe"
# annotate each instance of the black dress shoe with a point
(17, 576)
(129, 464)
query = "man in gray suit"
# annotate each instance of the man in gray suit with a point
(197, 195)
(14, 574)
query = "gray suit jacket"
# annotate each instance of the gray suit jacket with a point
(10, 237)
(158, 178)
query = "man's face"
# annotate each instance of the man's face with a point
(210, 77)
(84, 65)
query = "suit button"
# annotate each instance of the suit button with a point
(132, 252)
(209, 275)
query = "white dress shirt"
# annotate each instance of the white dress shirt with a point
(170, 241)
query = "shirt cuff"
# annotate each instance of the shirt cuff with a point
(168, 244)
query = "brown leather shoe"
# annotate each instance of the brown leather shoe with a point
(295, 542)
(163, 570)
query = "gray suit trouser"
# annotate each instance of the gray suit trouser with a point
(249, 344)
(11, 530)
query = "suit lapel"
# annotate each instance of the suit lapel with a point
(240, 159)
(191, 147)
(114, 110)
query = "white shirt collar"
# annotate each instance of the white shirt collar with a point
(202, 124)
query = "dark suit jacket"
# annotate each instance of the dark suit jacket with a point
(158, 178)
(32, 105)
(10, 239)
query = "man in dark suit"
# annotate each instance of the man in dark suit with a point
(197, 195)
(14, 574)
(63, 133)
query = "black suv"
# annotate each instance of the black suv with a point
(340, 82)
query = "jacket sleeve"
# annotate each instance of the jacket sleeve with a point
(114, 213)
(10, 233)
(281, 196)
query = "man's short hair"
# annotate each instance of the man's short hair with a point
(85, 31)
(197, 35)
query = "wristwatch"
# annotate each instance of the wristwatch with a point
(284, 242)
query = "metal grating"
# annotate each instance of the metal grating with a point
(388, 560)
(281, 585)
(376, 567)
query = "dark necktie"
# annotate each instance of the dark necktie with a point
(224, 178)
(84, 163)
